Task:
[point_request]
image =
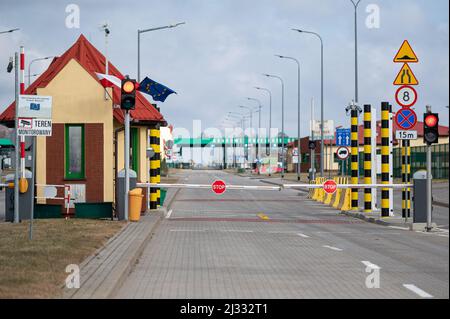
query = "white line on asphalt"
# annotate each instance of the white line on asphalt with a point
(187, 230)
(332, 248)
(417, 291)
(303, 235)
(398, 227)
(282, 232)
(235, 231)
(169, 213)
(370, 265)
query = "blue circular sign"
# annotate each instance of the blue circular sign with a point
(406, 118)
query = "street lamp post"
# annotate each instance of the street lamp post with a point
(298, 115)
(127, 115)
(282, 120)
(268, 150)
(355, 5)
(257, 130)
(139, 44)
(29, 66)
(251, 126)
(321, 96)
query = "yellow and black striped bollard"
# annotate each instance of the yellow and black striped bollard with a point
(385, 158)
(354, 157)
(367, 157)
(154, 169)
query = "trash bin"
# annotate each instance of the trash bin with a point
(135, 204)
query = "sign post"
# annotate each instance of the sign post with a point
(34, 119)
(406, 97)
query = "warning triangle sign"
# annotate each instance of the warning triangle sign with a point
(406, 54)
(406, 76)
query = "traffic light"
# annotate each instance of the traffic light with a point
(430, 128)
(128, 96)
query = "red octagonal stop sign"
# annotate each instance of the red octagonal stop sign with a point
(219, 187)
(330, 186)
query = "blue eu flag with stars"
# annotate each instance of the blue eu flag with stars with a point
(158, 91)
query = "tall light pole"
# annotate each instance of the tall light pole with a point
(29, 66)
(321, 96)
(268, 150)
(355, 5)
(298, 112)
(282, 121)
(257, 130)
(139, 44)
(127, 114)
(251, 125)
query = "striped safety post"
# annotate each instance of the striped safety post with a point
(385, 120)
(158, 165)
(367, 157)
(408, 177)
(354, 158)
(153, 170)
(403, 151)
(22, 91)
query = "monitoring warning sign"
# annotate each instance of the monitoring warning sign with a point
(34, 127)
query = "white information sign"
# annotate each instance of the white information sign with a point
(406, 135)
(328, 129)
(34, 127)
(35, 106)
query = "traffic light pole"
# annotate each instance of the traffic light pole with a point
(429, 197)
(127, 161)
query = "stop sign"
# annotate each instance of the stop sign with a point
(330, 186)
(218, 187)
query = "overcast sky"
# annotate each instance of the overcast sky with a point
(216, 59)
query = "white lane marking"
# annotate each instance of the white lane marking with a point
(235, 231)
(302, 235)
(398, 227)
(332, 248)
(417, 291)
(168, 214)
(370, 265)
(282, 232)
(187, 230)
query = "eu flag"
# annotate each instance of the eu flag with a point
(158, 91)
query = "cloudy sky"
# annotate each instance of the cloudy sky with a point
(216, 59)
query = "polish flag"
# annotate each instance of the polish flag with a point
(109, 81)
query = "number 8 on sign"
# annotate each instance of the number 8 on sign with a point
(406, 96)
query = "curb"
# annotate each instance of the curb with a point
(374, 220)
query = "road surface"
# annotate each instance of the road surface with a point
(280, 245)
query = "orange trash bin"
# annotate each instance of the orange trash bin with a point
(135, 204)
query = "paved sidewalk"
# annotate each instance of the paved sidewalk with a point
(103, 272)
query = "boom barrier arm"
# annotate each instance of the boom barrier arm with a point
(273, 188)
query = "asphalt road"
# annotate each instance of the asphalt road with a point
(259, 244)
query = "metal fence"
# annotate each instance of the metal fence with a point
(439, 160)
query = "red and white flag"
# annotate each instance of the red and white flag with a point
(109, 81)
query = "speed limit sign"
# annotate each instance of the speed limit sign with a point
(406, 96)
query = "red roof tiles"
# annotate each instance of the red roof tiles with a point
(92, 61)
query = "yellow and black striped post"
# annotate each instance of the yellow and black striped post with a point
(367, 157)
(158, 165)
(385, 114)
(354, 157)
(408, 177)
(404, 208)
(154, 166)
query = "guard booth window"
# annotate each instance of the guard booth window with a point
(134, 151)
(74, 151)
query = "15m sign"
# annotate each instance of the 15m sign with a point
(34, 127)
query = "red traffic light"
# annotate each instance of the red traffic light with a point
(128, 86)
(431, 120)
